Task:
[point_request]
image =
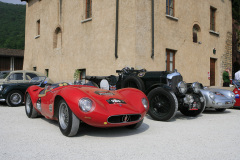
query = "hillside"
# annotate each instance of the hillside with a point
(12, 26)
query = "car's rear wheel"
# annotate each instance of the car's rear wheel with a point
(136, 125)
(163, 104)
(133, 82)
(31, 112)
(68, 122)
(220, 109)
(14, 98)
(192, 113)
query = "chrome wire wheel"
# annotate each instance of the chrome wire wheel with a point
(63, 115)
(15, 98)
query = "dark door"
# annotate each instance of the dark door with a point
(18, 63)
(212, 71)
(5, 63)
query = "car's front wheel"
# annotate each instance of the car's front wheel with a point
(68, 122)
(220, 109)
(163, 104)
(14, 98)
(31, 112)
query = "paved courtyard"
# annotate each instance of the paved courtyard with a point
(211, 135)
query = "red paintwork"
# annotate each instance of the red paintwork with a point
(236, 91)
(102, 110)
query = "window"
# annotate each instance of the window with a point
(170, 60)
(38, 27)
(16, 76)
(47, 72)
(196, 30)
(212, 18)
(170, 7)
(29, 76)
(35, 68)
(57, 38)
(88, 9)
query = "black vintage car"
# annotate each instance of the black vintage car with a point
(13, 93)
(166, 91)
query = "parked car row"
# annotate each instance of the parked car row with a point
(114, 101)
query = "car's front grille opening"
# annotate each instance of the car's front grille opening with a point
(124, 118)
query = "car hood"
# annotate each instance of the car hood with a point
(112, 101)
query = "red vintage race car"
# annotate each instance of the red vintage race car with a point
(71, 105)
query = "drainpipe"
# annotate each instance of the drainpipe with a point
(152, 56)
(116, 30)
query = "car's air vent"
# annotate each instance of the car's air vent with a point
(124, 118)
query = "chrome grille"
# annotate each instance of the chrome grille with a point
(124, 118)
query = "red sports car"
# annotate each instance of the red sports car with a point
(71, 105)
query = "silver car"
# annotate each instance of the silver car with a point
(218, 99)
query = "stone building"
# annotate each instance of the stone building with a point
(98, 37)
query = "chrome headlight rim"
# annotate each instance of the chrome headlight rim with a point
(86, 104)
(182, 87)
(211, 95)
(145, 103)
(196, 87)
(232, 95)
(1, 87)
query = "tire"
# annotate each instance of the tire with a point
(220, 109)
(163, 104)
(31, 112)
(67, 121)
(133, 82)
(135, 126)
(194, 113)
(14, 98)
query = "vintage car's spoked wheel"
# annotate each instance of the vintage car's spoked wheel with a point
(135, 126)
(31, 112)
(133, 82)
(68, 122)
(220, 109)
(163, 104)
(192, 113)
(14, 98)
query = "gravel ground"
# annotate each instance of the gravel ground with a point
(211, 135)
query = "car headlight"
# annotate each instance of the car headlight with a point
(182, 87)
(1, 87)
(145, 103)
(211, 95)
(85, 104)
(196, 87)
(232, 95)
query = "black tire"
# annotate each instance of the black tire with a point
(220, 109)
(31, 112)
(193, 113)
(136, 125)
(163, 104)
(67, 121)
(133, 82)
(14, 98)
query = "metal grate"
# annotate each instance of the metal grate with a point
(124, 118)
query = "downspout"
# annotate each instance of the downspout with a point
(116, 30)
(152, 56)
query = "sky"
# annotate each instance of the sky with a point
(13, 1)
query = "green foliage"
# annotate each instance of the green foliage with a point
(76, 74)
(12, 26)
(236, 10)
